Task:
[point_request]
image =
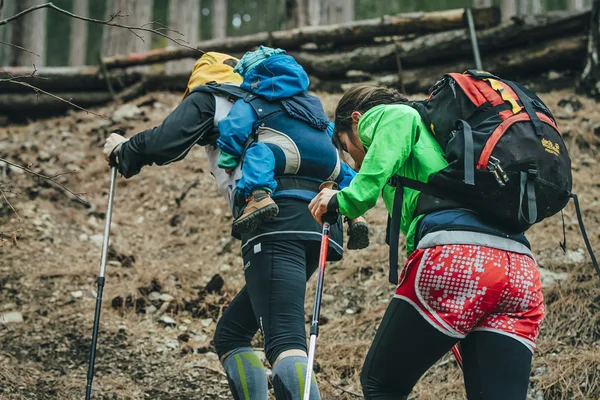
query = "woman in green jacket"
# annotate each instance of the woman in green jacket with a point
(464, 281)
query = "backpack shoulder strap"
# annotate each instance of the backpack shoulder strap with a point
(231, 92)
(262, 107)
(422, 110)
(586, 240)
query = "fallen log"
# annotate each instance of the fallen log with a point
(30, 104)
(353, 32)
(33, 104)
(519, 63)
(65, 79)
(445, 45)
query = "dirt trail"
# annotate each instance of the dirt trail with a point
(173, 269)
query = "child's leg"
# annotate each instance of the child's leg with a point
(258, 170)
(256, 184)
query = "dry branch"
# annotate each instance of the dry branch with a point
(48, 178)
(109, 22)
(18, 47)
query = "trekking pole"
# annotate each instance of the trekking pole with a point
(457, 355)
(473, 36)
(314, 325)
(100, 281)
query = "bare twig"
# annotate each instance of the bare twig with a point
(345, 391)
(10, 205)
(38, 90)
(19, 47)
(216, 371)
(49, 178)
(163, 27)
(109, 22)
(185, 192)
(13, 235)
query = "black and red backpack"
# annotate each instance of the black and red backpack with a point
(506, 158)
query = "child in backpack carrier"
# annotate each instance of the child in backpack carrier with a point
(282, 131)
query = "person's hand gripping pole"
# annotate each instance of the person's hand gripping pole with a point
(327, 219)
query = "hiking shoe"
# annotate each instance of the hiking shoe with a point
(358, 233)
(260, 208)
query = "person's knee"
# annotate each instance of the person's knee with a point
(279, 344)
(289, 377)
(373, 388)
(289, 353)
(365, 382)
(218, 340)
(226, 341)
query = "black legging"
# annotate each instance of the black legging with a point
(272, 300)
(496, 367)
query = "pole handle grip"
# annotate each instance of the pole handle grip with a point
(113, 155)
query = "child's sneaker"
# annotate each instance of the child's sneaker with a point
(260, 208)
(358, 233)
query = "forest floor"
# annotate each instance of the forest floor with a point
(173, 269)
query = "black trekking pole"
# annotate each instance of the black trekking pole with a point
(314, 325)
(473, 37)
(100, 281)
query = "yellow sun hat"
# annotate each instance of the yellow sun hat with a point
(213, 67)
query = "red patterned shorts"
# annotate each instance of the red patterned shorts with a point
(464, 288)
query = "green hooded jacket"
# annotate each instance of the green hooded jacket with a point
(397, 143)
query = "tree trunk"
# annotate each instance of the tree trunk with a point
(317, 12)
(29, 32)
(509, 9)
(295, 14)
(576, 5)
(183, 17)
(78, 44)
(340, 11)
(6, 32)
(528, 7)
(219, 19)
(523, 7)
(142, 14)
(118, 40)
(590, 78)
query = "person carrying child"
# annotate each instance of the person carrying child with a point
(279, 130)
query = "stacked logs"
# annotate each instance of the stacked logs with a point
(408, 51)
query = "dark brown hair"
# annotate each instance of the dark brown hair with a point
(362, 98)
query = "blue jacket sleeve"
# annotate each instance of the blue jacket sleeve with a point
(346, 173)
(346, 176)
(236, 128)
